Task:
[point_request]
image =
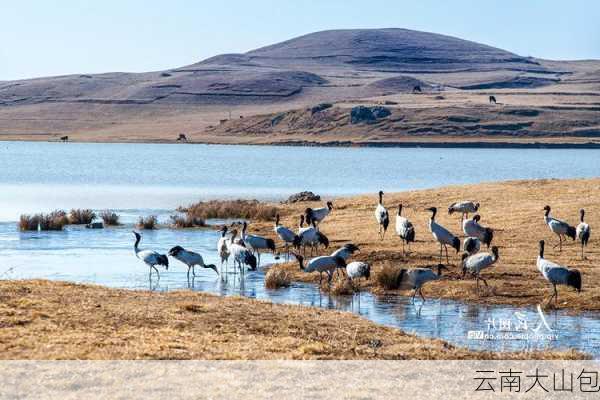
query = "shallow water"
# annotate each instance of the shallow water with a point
(106, 257)
(144, 179)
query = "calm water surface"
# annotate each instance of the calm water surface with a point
(39, 176)
(144, 179)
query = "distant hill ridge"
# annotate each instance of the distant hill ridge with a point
(280, 70)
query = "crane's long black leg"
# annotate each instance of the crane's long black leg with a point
(447, 259)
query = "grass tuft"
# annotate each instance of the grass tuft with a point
(54, 221)
(148, 222)
(187, 221)
(341, 286)
(388, 277)
(277, 278)
(223, 209)
(110, 218)
(81, 216)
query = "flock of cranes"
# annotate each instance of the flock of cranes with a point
(245, 250)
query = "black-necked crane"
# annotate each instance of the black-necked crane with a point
(191, 259)
(478, 262)
(382, 216)
(317, 215)
(346, 251)
(471, 245)
(223, 250)
(560, 228)
(287, 236)
(415, 278)
(150, 257)
(404, 229)
(442, 235)
(327, 264)
(241, 254)
(256, 243)
(311, 236)
(464, 208)
(583, 231)
(471, 227)
(557, 274)
(358, 269)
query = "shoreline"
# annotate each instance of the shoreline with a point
(478, 144)
(59, 320)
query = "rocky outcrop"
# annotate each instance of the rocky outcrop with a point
(303, 196)
(362, 114)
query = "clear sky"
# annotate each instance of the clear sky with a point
(54, 37)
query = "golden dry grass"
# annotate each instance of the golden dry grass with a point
(276, 278)
(223, 209)
(149, 222)
(81, 216)
(54, 221)
(186, 221)
(110, 218)
(56, 320)
(513, 209)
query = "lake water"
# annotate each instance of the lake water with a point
(140, 179)
(43, 176)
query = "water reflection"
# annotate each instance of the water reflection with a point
(105, 256)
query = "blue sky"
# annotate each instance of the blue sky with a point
(51, 37)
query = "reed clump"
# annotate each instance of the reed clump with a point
(186, 221)
(388, 277)
(54, 221)
(341, 286)
(81, 216)
(276, 278)
(110, 218)
(223, 209)
(149, 222)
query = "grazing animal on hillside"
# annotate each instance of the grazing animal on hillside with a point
(557, 274)
(182, 138)
(327, 264)
(257, 243)
(471, 245)
(560, 228)
(417, 89)
(493, 100)
(191, 259)
(404, 229)
(317, 215)
(149, 257)
(464, 208)
(442, 235)
(471, 227)
(415, 278)
(64, 138)
(382, 216)
(287, 236)
(478, 262)
(583, 231)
